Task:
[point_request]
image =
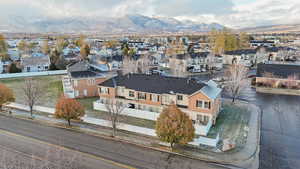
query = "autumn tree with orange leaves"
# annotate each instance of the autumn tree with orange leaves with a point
(69, 109)
(174, 126)
(6, 95)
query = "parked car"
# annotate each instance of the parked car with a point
(196, 70)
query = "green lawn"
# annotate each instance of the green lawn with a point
(88, 103)
(52, 86)
(231, 123)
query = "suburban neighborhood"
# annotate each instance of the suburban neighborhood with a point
(141, 91)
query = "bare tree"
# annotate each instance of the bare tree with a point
(211, 63)
(178, 67)
(32, 93)
(143, 64)
(129, 66)
(260, 56)
(114, 109)
(236, 80)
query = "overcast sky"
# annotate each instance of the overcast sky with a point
(232, 13)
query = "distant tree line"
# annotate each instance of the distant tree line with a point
(225, 40)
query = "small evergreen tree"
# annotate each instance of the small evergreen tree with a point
(14, 69)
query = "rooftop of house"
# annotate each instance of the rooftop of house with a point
(78, 66)
(280, 70)
(261, 41)
(32, 61)
(83, 74)
(241, 52)
(155, 84)
(254, 51)
(83, 69)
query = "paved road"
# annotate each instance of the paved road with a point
(31, 153)
(280, 132)
(280, 129)
(118, 152)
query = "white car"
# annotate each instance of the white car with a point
(196, 71)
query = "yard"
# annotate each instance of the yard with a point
(232, 124)
(54, 89)
(88, 105)
(52, 85)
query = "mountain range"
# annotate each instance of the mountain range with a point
(282, 28)
(108, 25)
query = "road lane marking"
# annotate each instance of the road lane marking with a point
(68, 149)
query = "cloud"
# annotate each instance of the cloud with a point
(233, 13)
(193, 7)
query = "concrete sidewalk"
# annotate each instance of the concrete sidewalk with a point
(95, 121)
(245, 158)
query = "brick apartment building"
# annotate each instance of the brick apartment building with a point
(147, 95)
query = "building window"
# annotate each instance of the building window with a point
(104, 90)
(202, 119)
(91, 81)
(179, 97)
(199, 103)
(142, 96)
(150, 97)
(131, 94)
(207, 105)
(158, 98)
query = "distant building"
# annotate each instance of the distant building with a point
(35, 63)
(278, 75)
(265, 43)
(245, 57)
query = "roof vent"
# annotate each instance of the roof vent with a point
(188, 80)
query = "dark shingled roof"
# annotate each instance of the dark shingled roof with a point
(280, 70)
(83, 74)
(241, 52)
(154, 83)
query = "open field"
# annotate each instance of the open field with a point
(52, 86)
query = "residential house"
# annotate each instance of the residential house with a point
(147, 94)
(245, 57)
(82, 80)
(35, 63)
(278, 75)
(265, 43)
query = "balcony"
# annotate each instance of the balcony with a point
(67, 87)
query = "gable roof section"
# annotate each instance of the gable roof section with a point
(280, 70)
(155, 84)
(211, 90)
(35, 61)
(79, 66)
